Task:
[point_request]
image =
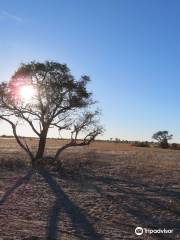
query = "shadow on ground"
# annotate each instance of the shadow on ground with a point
(81, 224)
(19, 182)
(150, 206)
(145, 205)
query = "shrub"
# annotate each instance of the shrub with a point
(141, 144)
(175, 146)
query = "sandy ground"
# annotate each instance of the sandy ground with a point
(103, 192)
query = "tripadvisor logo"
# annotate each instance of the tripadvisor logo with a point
(139, 231)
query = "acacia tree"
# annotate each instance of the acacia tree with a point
(162, 137)
(57, 100)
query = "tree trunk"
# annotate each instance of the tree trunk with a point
(59, 151)
(41, 146)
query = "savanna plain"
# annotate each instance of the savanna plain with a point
(101, 191)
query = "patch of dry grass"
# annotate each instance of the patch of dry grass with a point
(113, 187)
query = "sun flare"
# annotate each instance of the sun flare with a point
(27, 93)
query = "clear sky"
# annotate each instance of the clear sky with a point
(130, 49)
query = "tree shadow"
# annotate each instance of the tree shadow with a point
(80, 222)
(143, 207)
(18, 183)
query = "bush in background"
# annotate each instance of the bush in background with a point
(141, 144)
(175, 146)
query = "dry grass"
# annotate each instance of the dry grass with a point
(104, 191)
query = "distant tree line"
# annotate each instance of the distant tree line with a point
(162, 138)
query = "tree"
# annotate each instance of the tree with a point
(46, 95)
(162, 137)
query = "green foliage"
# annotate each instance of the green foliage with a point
(162, 137)
(59, 101)
(164, 144)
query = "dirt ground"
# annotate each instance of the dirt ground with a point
(104, 192)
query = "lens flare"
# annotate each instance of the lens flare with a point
(27, 93)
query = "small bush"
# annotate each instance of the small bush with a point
(141, 144)
(13, 164)
(175, 146)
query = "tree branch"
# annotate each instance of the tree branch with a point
(25, 148)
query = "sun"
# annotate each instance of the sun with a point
(27, 92)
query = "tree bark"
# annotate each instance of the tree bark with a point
(41, 146)
(59, 151)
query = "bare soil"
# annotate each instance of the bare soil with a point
(103, 192)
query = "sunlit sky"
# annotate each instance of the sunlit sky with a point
(129, 48)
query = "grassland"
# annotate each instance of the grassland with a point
(104, 191)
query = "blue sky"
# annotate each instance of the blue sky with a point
(130, 49)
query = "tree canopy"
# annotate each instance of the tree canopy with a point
(162, 137)
(57, 100)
